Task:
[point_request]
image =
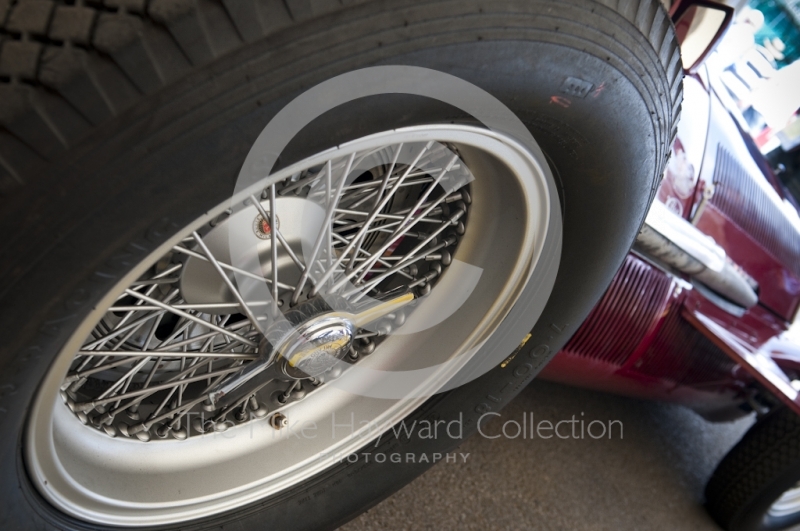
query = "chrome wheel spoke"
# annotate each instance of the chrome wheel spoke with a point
(163, 343)
(230, 325)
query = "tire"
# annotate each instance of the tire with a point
(751, 487)
(566, 69)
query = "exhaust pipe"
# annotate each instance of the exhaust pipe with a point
(679, 244)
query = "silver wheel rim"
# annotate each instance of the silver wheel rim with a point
(788, 504)
(124, 481)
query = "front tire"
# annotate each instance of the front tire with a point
(565, 68)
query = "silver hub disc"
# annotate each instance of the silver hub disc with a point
(122, 431)
(201, 284)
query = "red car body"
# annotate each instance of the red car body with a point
(658, 334)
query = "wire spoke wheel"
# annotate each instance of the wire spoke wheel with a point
(229, 341)
(184, 327)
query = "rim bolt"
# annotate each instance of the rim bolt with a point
(278, 421)
(133, 430)
(83, 407)
(368, 348)
(111, 431)
(77, 384)
(106, 419)
(180, 434)
(298, 393)
(197, 424)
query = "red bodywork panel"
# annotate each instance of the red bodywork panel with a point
(755, 361)
(779, 287)
(653, 335)
(639, 342)
(635, 343)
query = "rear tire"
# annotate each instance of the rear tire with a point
(756, 487)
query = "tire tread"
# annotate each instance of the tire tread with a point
(68, 67)
(766, 451)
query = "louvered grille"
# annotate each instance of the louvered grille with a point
(682, 354)
(739, 197)
(629, 308)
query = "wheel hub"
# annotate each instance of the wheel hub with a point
(315, 346)
(200, 283)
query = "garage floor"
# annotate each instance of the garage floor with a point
(652, 478)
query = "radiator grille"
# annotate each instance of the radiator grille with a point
(682, 354)
(639, 296)
(628, 309)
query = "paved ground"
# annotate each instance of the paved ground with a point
(651, 479)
